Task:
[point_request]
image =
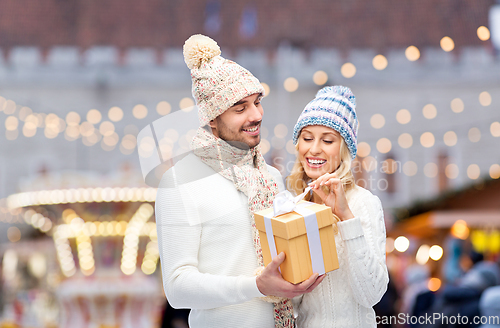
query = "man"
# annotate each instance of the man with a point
(209, 246)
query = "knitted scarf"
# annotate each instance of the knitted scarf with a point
(247, 170)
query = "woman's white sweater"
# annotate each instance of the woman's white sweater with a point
(346, 296)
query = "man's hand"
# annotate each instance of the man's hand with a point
(270, 282)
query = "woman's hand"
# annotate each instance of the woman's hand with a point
(335, 198)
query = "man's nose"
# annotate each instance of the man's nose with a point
(255, 113)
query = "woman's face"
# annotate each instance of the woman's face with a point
(319, 150)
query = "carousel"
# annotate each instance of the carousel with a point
(98, 249)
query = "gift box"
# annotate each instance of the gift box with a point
(305, 235)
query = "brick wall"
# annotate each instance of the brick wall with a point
(344, 24)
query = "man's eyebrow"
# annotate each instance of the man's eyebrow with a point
(239, 103)
(244, 101)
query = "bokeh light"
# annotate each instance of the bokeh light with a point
(412, 53)
(422, 255)
(436, 252)
(389, 166)
(405, 140)
(94, 116)
(403, 116)
(107, 128)
(410, 168)
(447, 44)
(369, 163)
(389, 245)
(495, 129)
(473, 171)
(434, 284)
(495, 171)
(364, 149)
(485, 98)
(291, 84)
(186, 103)
(431, 170)
(429, 111)
(320, 77)
(348, 70)
(140, 111)
(384, 145)
(474, 134)
(379, 62)
(163, 108)
(483, 33)
(451, 171)
(427, 139)
(72, 118)
(14, 234)
(460, 230)
(115, 114)
(401, 244)
(280, 130)
(377, 121)
(457, 105)
(450, 138)
(11, 123)
(267, 89)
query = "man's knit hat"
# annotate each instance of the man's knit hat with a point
(334, 107)
(218, 83)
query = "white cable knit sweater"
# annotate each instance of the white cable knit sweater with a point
(206, 249)
(346, 296)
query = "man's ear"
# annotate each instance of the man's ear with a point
(212, 124)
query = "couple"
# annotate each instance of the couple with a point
(209, 246)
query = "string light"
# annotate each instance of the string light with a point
(81, 195)
(131, 239)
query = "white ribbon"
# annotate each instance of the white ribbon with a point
(283, 203)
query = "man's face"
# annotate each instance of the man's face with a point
(241, 122)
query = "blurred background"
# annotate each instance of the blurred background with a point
(80, 79)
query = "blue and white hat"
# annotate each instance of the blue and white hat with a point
(334, 107)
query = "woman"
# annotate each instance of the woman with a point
(325, 137)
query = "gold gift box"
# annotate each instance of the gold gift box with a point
(290, 237)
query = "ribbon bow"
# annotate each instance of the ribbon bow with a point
(284, 202)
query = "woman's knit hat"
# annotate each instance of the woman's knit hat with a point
(218, 83)
(334, 107)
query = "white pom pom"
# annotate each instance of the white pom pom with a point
(199, 49)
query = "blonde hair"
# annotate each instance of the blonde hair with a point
(298, 179)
